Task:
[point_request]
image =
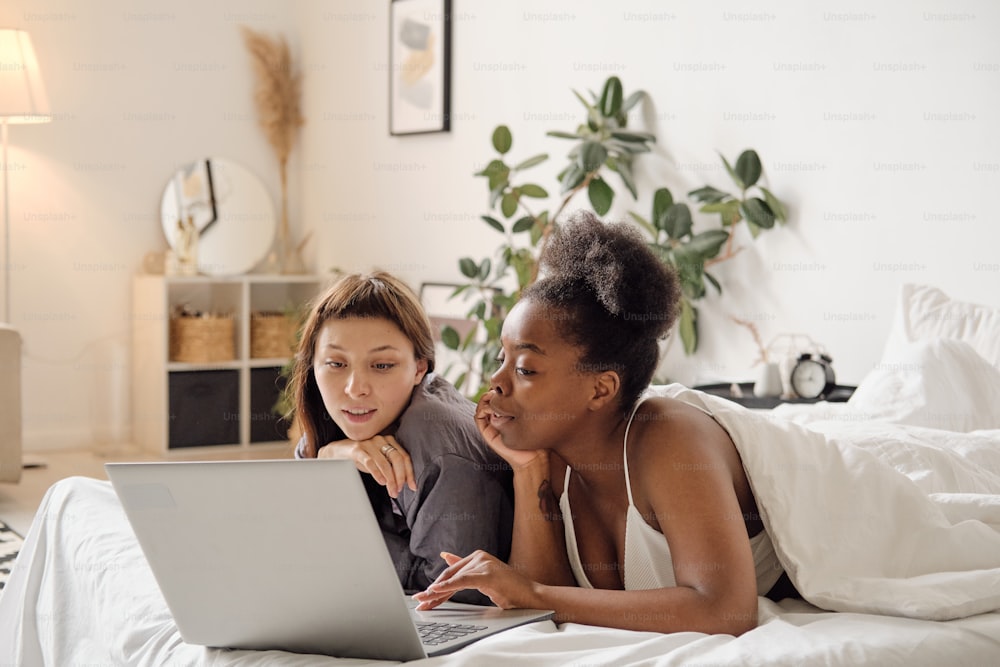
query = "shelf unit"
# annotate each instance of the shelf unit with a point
(177, 406)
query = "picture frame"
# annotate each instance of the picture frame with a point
(461, 368)
(419, 66)
(442, 309)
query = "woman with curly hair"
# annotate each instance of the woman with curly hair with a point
(631, 511)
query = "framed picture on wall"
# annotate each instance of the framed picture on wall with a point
(464, 368)
(419, 66)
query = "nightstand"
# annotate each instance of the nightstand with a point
(839, 394)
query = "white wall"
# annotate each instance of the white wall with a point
(136, 89)
(877, 123)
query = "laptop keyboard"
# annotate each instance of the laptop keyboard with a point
(432, 634)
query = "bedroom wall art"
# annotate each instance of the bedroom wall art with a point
(419, 66)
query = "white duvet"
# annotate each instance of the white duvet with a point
(891, 527)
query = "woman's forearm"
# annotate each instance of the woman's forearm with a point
(538, 547)
(679, 609)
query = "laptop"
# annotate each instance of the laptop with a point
(286, 555)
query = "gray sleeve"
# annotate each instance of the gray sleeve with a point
(458, 507)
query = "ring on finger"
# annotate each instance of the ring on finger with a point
(386, 449)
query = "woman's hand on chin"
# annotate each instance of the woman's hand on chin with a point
(515, 457)
(382, 457)
(491, 576)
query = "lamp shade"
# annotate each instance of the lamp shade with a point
(22, 94)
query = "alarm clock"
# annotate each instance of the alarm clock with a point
(812, 376)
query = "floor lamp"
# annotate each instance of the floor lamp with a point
(22, 100)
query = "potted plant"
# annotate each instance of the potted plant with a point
(604, 145)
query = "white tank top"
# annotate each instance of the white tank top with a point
(648, 563)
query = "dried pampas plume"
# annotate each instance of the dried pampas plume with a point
(277, 97)
(278, 90)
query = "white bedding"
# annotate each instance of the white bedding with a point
(81, 592)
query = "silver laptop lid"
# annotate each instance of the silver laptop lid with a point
(219, 538)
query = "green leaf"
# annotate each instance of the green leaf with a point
(468, 267)
(629, 147)
(592, 156)
(470, 338)
(601, 195)
(583, 101)
(666, 254)
(594, 119)
(460, 380)
(757, 211)
(541, 222)
(662, 200)
(748, 167)
(494, 223)
(572, 177)
(496, 193)
(780, 213)
(508, 205)
(732, 173)
(677, 221)
(484, 269)
(688, 327)
(523, 224)
(502, 139)
(492, 167)
(754, 229)
(632, 100)
(563, 135)
(708, 244)
(715, 283)
(523, 263)
(497, 172)
(611, 97)
(624, 169)
(645, 224)
(708, 194)
(450, 338)
(633, 137)
(690, 268)
(728, 210)
(532, 190)
(532, 161)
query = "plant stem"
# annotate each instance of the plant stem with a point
(552, 221)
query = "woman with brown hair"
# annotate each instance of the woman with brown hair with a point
(365, 390)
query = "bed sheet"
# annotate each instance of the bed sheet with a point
(82, 593)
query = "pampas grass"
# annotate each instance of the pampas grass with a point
(277, 97)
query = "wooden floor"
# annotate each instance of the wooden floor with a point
(19, 502)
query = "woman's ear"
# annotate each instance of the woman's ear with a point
(605, 389)
(421, 371)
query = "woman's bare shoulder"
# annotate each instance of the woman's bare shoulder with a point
(668, 428)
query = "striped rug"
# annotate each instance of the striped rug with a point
(10, 544)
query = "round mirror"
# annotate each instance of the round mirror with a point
(230, 208)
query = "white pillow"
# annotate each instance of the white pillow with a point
(925, 312)
(938, 383)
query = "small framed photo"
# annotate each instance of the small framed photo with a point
(419, 66)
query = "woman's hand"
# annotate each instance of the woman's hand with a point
(382, 457)
(516, 458)
(485, 572)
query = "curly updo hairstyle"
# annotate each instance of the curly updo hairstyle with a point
(613, 297)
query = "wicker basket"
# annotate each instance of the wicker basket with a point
(272, 336)
(202, 338)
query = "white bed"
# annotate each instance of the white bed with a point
(924, 505)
